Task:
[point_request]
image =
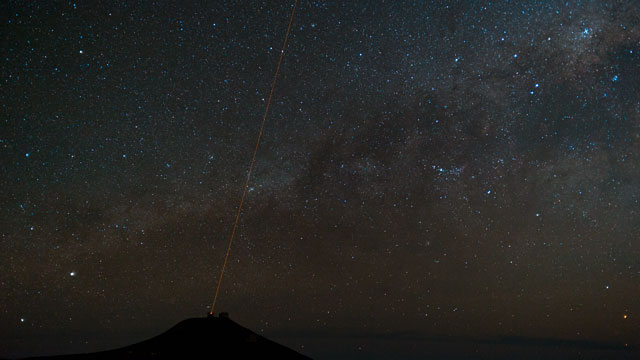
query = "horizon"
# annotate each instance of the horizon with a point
(450, 347)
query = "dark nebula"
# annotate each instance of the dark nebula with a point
(438, 169)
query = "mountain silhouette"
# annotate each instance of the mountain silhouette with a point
(197, 338)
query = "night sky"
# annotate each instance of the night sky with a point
(458, 169)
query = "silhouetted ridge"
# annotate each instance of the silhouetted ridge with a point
(198, 338)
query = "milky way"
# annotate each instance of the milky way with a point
(464, 169)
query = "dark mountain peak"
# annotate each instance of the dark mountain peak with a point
(198, 338)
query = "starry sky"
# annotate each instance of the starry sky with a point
(462, 169)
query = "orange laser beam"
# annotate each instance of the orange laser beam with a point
(253, 158)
